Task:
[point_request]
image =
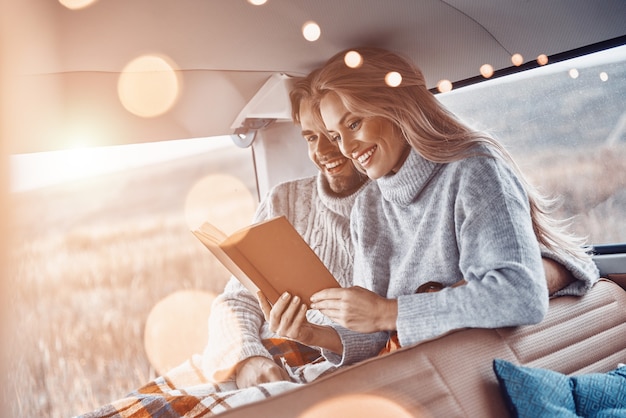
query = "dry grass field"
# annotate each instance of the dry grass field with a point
(91, 258)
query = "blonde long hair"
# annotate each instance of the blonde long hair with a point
(433, 131)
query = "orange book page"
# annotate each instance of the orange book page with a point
(282, 257)
(211, 237)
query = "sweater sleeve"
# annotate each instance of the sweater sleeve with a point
(499, 257)
(234, 332)
(585, 272)
(356, 346)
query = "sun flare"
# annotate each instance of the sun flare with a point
(215, 198)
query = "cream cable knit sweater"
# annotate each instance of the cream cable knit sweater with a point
(236, 318)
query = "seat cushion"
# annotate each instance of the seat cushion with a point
(536, 392)
(452, 376)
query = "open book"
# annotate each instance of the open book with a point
(270, 256)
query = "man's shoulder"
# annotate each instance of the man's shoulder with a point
(299, 182)
(293, 189)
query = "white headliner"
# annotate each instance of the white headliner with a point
(67, 62)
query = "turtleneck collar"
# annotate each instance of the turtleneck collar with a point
(341, 205)
(404, 186)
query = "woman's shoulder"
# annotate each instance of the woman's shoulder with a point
(486, 172)
(481, 160)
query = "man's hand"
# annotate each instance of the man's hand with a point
(287, 318)
(357, 308)
(256, 370)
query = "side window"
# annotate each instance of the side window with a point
(102, 259)
(565, 125)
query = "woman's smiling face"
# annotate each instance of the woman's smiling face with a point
(372, 142)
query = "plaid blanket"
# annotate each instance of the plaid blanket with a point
(185, 392)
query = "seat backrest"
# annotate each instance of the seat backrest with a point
(452, 375)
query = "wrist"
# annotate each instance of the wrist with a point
(326, 337)
(388, 315)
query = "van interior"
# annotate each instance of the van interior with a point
(548, 78)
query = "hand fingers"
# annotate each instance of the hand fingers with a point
(277, 311)
(290, 314)
(265, 305)
(325, 305)
(259, 370)
(334, 315)
(286, 312)
(339, 298)
(300, 319)
(325, 294)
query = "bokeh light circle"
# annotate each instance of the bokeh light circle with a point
(148, 86)
(486, 70)
(353, 59)
(393, 79)
(542, 59)
(311, 31)
(77, 4)
(222, 200)
(361, 406)
(444, 86)
(177, 328)
(517, 59)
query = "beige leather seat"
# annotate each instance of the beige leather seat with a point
(452, 376)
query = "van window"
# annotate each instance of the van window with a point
(97, 246)
(565, 124)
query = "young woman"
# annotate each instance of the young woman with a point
(448, 206)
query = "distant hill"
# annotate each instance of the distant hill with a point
(109, 198)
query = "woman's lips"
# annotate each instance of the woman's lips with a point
(364, 157)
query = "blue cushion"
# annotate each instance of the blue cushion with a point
(601, 394)
(533, 392)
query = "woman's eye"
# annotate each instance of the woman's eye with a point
(335, 137)
(311, 138)
(354, 125)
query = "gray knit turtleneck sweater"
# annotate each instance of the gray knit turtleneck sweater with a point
(445, 222)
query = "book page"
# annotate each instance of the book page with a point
(282, 256)
(211, 233)
(210, 237)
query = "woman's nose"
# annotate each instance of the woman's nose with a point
(347, 145)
